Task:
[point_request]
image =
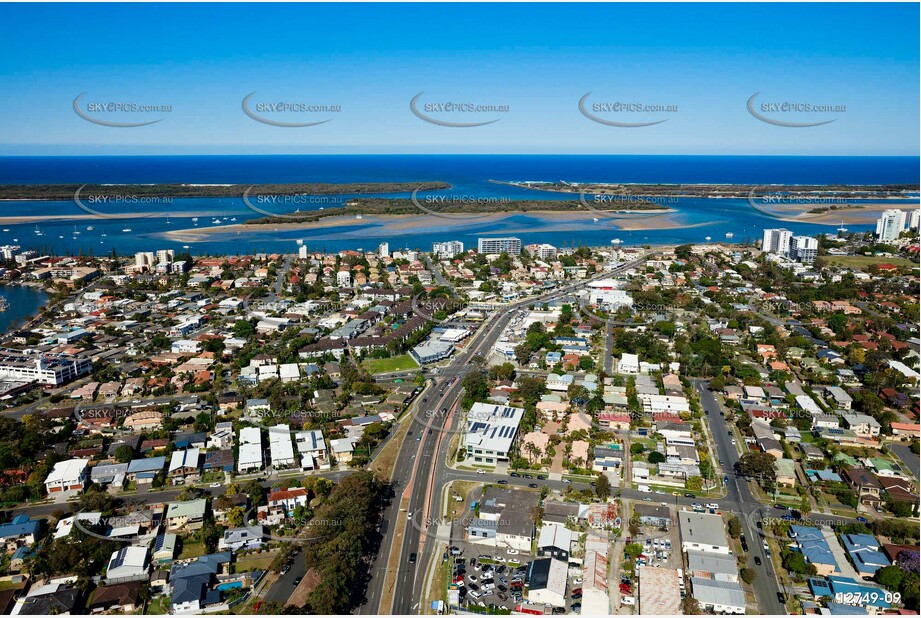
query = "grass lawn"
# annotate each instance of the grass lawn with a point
(191, 549)
(158, 606)
(863, 261)
(254, 562)
(386, 365)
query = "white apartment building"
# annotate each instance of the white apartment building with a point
(914, 220)
(383, 249)
(280, 447)
(804, 249)
(777, 240)
(890, 224)
(47, 369)
(249, 457)
(344, 279)
(446, 250)
(495, 246)
(490, 433)
(542, 251)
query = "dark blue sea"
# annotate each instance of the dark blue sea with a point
(470, 175)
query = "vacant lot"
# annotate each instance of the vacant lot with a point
(864, 261)
(386, 365)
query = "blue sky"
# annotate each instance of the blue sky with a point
(537, 59)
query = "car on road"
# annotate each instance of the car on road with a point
(412, 558)
(757, 561)
(689, 495)
(532, 485)
(782, 507)
(541, 477)
(862, 519)
(527, 476)
(297, 581)
(512, 552)
(729, 432)
(515, 475)
(409, 514)
(214, 485)
(647, 499)
(481, 471)
(713, 505)
(285, 569)
(503, 482)
(781, 598)
(567, 481)
(576, 608)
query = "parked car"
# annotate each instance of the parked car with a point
(625, 600)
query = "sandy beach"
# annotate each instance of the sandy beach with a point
(396, 224)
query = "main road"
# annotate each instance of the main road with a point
(418, 459)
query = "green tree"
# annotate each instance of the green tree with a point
(655, 457)
(124, 453)
(748, 575)
(890, 577)
(602, 487)
(735, 527)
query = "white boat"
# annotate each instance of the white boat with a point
(6, 229)
(90, 228)
(233, 218)
(358, 216)
(104, 235)
(194, 219)
(595, 219)
(729, 234)
(127, 229)
(75, 238)
(185, 246)
(707, 239)
(616, 241)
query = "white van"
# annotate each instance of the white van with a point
(644, 489)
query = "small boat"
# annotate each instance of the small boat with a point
(185, 246)
(104, 235)
(167, 220)
(595, 219)
(358, 216)
(225, 218)
(90, 228)
(75, 238)
(707, 239)
(616, 241)
(729, 234)
(127, 229)
(233, 219)
(6, 229)
(194, 219)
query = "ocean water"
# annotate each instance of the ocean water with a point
(469, 176)
(23, 303)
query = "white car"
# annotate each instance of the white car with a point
(474, 594)
(627, 601)
(713, 505)
(481, 471)
(409, 514)
(512, 552)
